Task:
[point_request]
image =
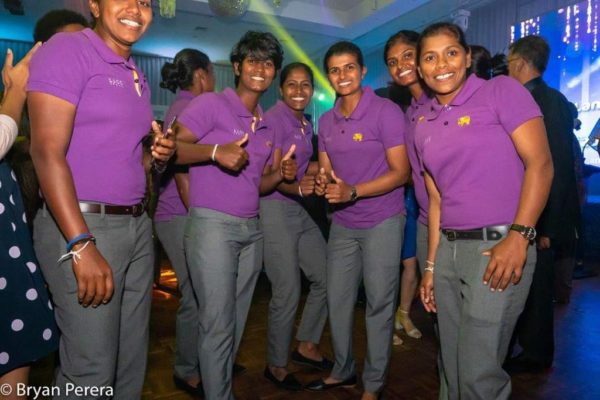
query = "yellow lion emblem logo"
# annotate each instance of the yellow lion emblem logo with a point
(357, 137)
(466, 120)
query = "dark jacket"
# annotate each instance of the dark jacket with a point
(561, 218)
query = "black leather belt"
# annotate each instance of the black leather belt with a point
(496, 232)
(98, 208)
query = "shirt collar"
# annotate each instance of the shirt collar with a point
(289, 115)
(471, 86)
(106, 52)
(532, 84)
(240, 109)
(184, 94)
(361, 109)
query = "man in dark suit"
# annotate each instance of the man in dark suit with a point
(559, 223)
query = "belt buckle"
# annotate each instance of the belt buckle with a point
(138, 210)
(451, 235)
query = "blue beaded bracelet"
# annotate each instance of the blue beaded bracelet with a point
(81, 237)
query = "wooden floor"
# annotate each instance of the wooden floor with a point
(575, 375)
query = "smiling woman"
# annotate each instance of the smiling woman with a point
(89, 107)
(481, 212)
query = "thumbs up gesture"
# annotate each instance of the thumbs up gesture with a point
(232, 156)
(337, 191)
(321, 182)
(288, 167)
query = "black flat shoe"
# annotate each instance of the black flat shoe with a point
(320, 386)
(323, 365)
(182, 384)
(288, 383)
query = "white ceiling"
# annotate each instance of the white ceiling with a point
(312, 24)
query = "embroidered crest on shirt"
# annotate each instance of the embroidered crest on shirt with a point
(421, 118)
(466, 120)
(116, 82)
(357, 137)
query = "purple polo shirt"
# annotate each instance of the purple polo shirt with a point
(356, 148)
(415, 111)
(466, 146)
(169, 202)
(105, 152)
(221, 118)
(289, 130)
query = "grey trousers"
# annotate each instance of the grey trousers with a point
(475, 323)
(224, 256)
(372, 255)
(187, 363)
(292, 242)
(107, 345)
(422, 245)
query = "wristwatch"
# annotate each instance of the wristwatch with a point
(353, 194)
(528, 232)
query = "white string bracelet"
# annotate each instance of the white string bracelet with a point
(430, 266)
(74, 253)
(300, 191)
(214, 152)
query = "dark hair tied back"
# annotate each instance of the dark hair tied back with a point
(180, 73)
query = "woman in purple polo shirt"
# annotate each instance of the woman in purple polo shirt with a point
(400, 54)
(90, 109)
(293, 242)
(484, 151)
(363, 165)
(190, 74)
(230, 144)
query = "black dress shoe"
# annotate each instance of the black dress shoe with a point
(182, 384)
(522, 365)
(320, 386)
(288, 383)
(323, 365)
(238, 369)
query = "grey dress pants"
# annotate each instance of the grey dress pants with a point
(475, 323)
(292, 242)
(170, 234)
(107, 345)
(373, 256)
(224, 255)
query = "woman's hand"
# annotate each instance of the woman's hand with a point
(506, 261)
(426, 292)
(163, 146)
(14, 78)
(232, 156)
(288, 167)
(338, 191)
(321, 182)
(307, 185)
(93, 275)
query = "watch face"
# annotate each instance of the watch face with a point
(529, 233)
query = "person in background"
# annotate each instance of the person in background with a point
(481, 62)
(292, 240)
(363, 165)
(28, 331)
(56, 21)
(400, 57)
(230, 145)
(89, 106)
(189, 75)
(499, 65)
(560, 223)
(484, 153)
(19, 158)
